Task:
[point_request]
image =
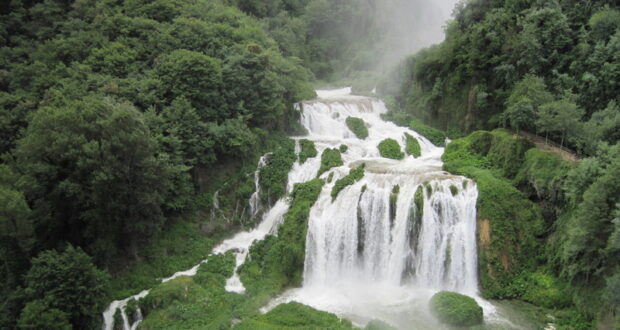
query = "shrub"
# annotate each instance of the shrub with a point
(295, 316)
(456, 309)
(354, 176)
(413, 146)
(357, 126)
(330, 158)
(343, 148)
(434, 135)
(274, 175)
(307, 150)
(389, 148)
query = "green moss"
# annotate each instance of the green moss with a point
(456, 309)
(307, 150)
(454, 190)
(389, 148)
(274, 175)
(330, 177)
(464, 184)
(393, 201)
(434, 135)
(413, 146)
(364, 187)
(343, 148)
(353, 176)
(357, 126)
(295, 316)
(329, 158)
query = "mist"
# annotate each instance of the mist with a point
(407, 26)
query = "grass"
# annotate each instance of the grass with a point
(434, 135)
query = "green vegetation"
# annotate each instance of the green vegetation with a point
(62, 288)
(307, 150)
(419, 200)
(274, 175)
(343, 148)
(353, 176)
(412, 146)
(546, 72)
(294, 316)
(456, 309)
(329, 158)
(434, 135)
(389, 148)
(454, 190)
(358, 127)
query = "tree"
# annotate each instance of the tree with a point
(198, 78)
(522, 104)
(562, 116)
(64, 284)
(37, 315)
(92, 176)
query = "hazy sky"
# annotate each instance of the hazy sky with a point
(410, 25)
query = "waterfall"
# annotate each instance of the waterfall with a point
(255, 198)
(386, 243)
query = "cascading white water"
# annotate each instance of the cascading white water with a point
(371, 252)
(255, 198)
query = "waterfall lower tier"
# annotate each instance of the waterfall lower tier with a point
(372, 233)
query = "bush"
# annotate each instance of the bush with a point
(354, 176)
(358, 127)
(434, 135)
(307, 150)
(330, 158)
(389, 148)
(343, 148)
(456, 309)
(413, 146)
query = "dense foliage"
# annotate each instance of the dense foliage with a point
(456, 309)
(294, 315)
(357, 126)
(544, 67)
(389, 148)
(117, 117)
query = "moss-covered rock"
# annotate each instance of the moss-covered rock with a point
(456, 309)
(330, 158)
(307, 150)
(343, 148)
(389, 148)
(353, 176)
(412, 146)
(357, 126)
(454, 190)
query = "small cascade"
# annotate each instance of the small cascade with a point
(255, 204)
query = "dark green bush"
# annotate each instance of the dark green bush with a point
(358, 127)
(274, 175)
(343, 148)
(389, 148)
(456, 309)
